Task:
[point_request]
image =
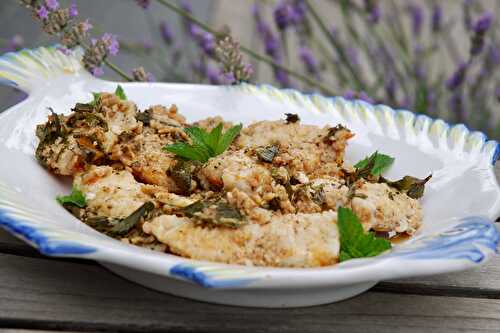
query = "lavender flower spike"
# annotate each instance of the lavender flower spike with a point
(437, 17)
(166, 33)
(73, 10)
(483, 24)
(417, 18)
(42, 13)
(141, 75)
(309, 60)
(283, 14)
(52, 4)
(480, 27)
(457, 78)
(111, 43)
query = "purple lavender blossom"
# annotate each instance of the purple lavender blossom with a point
(213, 75)
(52, 4)
(166, 33)
(497, 93)
(309, 60)
(73, 10)
(437, 17)
(97, 71)
(111, 43)
(282, 77)
(417, 18)
(480, 27)
(457, 78)
(42, 13)
(283, 14)
(373, 10)
(207, 43)
(227, 78)
(143, 3)
(483, 24)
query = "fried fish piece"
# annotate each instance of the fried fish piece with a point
(292, 240)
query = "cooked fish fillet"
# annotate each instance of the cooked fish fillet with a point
(386, 209)
(109, 192)
(293, 240)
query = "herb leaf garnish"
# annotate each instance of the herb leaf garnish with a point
(76, 198)
(95, 101)
(376, 163)
(120, 93)
(354, 242)
(204, 144)
(117, 227)
(413, 187)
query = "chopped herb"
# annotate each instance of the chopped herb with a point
(376, 163)
(76, 198)
(144, 117)
(332, 131)
(413, 187)
(181, 174)
(117, 227)
(354, 242)
(216, 212)
(120, 93)
(267, 154)
(204, 144)
(291, 118)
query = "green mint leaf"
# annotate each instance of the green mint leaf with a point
(377, 163)
(227, 138)
(97, 97)
(199, 137)
(213, 138)
(194, 153)
(354, 242)
(76, 198)
(120, 93)
(204, 145)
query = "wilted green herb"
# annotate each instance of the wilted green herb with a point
(375, 164)
(216, 212)
(354, 242)
(204, 144)
(181, 174)
(120, 93)
(267, 154)
(117, 227)
(76, 198)
(413, 187)
(291, 118)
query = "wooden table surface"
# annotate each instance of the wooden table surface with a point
(42, 294)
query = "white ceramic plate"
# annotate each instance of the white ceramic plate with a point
(460, 203)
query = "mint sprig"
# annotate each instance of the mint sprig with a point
(120, 93)
(204, 144)
(375, 164)
(76, 198)
(354, 242)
